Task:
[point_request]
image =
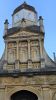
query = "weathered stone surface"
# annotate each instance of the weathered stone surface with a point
(25, 64)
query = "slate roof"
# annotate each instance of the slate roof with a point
(24, 6)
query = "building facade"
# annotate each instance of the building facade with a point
(26, 70)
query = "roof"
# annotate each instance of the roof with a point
(32, 28)
(24, 6)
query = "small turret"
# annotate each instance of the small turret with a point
(5, 26)
(54, 57)
(41, 24)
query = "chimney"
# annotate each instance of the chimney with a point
(41, 24)
(5, 26)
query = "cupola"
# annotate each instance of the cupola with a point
(26, 12)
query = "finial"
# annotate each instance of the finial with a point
(40, 17)
(25, 2)
(40, 20)
(41, 24)
(6, 26)
(6, 21)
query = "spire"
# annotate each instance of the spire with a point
(24, 2)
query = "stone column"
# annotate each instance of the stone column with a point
(17, 56)
(6, 56)
(42, 94)
(50, 94)
(17, 50)
(29, 52)
(29, 55)
(46, 94)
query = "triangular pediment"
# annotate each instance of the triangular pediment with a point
(19, 34)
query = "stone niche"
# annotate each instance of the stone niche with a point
(11, 52)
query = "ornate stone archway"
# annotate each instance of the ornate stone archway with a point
(27, 88)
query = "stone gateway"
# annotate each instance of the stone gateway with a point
(26, 70)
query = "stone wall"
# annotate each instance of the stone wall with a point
(43, 86)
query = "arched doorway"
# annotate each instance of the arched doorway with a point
(24, 95)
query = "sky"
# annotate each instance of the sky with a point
(45, 8)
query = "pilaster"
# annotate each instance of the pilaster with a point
(41, 52)
(17, 56)
(29, 55)
(6, 56)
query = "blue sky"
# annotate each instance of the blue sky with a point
(45, 8)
